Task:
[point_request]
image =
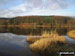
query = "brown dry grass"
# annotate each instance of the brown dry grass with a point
(32, 39)
(45, 43)
(49, 44)
(71, 34)
(49, 34)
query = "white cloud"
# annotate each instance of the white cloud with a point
(36, 7)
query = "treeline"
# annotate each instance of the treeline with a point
(39, 20)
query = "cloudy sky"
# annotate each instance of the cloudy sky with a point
(12, 8)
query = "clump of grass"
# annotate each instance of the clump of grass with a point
(71, 34)
(60, 39)
(47, 45)
(46, 34)
(32, 39)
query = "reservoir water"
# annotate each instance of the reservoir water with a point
(16, 45)
(13, 41)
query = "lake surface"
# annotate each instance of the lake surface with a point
(13, 41)
(14, 45)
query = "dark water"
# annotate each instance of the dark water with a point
(13, 41)
(29, 31)
(14, 45)
(33, 31)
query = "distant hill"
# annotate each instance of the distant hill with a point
(5, 18)
(37, 17)
(39, 20)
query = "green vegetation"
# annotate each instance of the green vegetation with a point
(11, 21)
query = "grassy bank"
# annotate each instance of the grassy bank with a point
(49, 44)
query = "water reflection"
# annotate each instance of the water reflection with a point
(29, 31)
(16, 45)
(13, 45)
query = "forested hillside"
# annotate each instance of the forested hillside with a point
(38, 20)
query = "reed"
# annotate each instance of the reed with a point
(46, 34)
(32, 39)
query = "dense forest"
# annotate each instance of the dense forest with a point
(37, 24)
(38, 20)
